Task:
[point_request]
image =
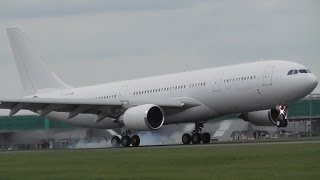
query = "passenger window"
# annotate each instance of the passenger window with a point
(295, 71)
(290, 72)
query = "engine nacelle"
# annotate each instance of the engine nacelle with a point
(273, 117)
(143, 117)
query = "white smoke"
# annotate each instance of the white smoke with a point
(165, 136)
(96, 143)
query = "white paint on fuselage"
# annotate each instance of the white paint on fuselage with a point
(225, 91)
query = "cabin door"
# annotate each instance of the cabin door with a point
(123, 94)
(267, 76)
(217, 79)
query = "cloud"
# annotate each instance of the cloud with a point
(48, 8)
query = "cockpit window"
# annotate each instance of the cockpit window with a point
(295, 71)
(303, 71)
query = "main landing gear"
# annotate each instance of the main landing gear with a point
(196, 137)
(126, 140)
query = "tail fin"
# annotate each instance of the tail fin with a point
(34, 74)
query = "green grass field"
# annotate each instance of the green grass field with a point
(262, 161)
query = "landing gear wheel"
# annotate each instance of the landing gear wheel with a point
(196, 138)
(279, 123)
(115, 141)
(186, 138)
(125, 141)
(205, 138)
(135, 141)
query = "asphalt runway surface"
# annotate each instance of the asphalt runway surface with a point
(230, 144)
(217, 144)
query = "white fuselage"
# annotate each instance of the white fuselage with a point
(220, 91)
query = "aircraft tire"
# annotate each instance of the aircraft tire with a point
(125, 141)
(186, 138)
(196, 138)
(135, 141)
(279, 123)
(115, 141)
(205, 138)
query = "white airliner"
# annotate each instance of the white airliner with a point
(259, 92)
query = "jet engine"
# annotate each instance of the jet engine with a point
(143, 117)
(274, 117)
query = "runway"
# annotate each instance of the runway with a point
(253, 143)
(217, 144)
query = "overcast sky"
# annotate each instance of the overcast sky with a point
(97, 41)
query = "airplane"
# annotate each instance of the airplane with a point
(259, 92)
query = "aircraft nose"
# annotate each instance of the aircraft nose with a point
(312, 82)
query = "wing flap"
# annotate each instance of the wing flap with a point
(99, 107)
(46, 105)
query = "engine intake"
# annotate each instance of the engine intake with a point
(273, 117)
(143, 117)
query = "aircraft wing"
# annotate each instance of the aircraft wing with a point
(101, 108)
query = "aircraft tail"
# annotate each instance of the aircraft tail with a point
(34, 74)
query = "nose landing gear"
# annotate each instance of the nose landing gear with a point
(196, 137)
(282, 119)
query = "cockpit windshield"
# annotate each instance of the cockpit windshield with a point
(296, 71)
(303, 71)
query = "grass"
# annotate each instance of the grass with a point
(267, 161)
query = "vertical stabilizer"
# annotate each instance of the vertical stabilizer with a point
(34, 74)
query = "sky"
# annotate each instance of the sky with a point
(101, 41)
